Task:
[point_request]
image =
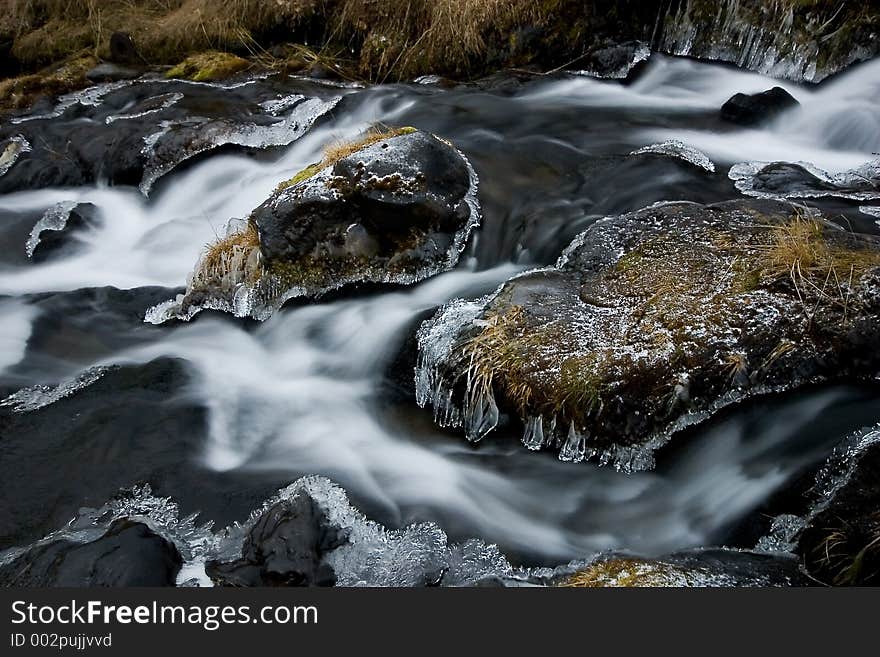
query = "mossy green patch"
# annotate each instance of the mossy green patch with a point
(208, 67)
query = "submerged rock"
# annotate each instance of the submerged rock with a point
(754, 109)
(653, 320)
(396, 207)
(128, 554)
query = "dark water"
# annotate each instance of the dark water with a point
(219, 413)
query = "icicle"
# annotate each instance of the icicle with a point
(575, 447)
(533, 436)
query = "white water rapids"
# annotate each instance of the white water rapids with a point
(300, 393)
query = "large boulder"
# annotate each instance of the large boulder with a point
(653, 320)
(396, 207)
(128, 554)
(754, 109)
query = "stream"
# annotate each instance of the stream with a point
(218, 413)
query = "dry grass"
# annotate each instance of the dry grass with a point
(851, 556)
(390, 38)
(229, 261)
(625, 573)
(822, 272)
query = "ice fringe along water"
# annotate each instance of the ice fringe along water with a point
(13, 149)
(677, 149)
(34, 398)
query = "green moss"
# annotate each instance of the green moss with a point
(208, 66)
(303, 175)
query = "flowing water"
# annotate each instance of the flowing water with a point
(218, 413)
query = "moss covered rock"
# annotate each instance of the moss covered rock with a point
(208, 66)
(393, 207)
(653, 320)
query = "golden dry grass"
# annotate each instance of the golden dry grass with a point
(390, 38)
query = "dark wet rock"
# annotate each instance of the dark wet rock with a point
(710, 567)
(54, 234)
(285, 547)
(616, 61)
(840, 539)
(396, 209)
(79, 441)
(123, 49)
(754, 109)
(654, 320)
(109, 72)
(405, 183)
(128, 554)
(310, 535)
(135, 132)
(793, 181)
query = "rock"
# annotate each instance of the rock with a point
(134, 134)
(616, 61)
(310, 535)
(653, 320)
(123, 49)
(208, 67)
(81, 441)
(285, 547)
(786, 180)
(840, 540)
(754, 109)
(128, 554)
(396, 207)
(53, 234)
(109, 72)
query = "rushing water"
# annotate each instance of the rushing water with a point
(325, 387)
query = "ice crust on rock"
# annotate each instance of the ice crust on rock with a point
(12, 150)
(677, 149)
(40, 396)
(54, 219)
(215, 133)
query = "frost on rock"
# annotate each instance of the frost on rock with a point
(37, 397)
(677, 149)
(54, 219)
(159, 514)
(178, 141)
(12, 150)
(870, 210)
(249, 274)
(784, 180)
(615, 62)
(651, 322)
(363, 553)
